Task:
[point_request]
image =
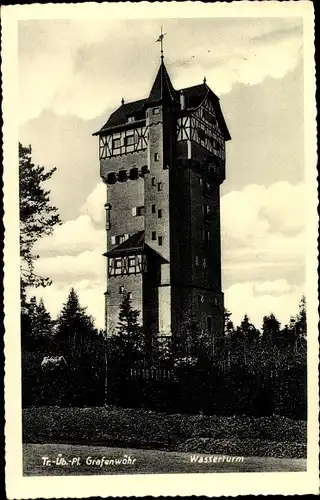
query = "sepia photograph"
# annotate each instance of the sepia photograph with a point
(163, 224)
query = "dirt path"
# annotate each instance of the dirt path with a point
(38, 460)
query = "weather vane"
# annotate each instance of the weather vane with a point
(160, 39)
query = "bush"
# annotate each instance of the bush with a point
(146, 429)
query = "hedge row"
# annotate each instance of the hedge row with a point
(146, 429)
(245, 447)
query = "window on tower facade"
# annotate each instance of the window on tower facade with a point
(156, 111)
(209, 323)
(207, 238)
(160, 241)
(206, 212)
(119, 238)
(207, 191)
(137, 211)
(159, 213)
(153, 209)
(200, 299)
(131, 119)
(129, 140)
(159, 186)
(209, 117)
(201, 134)
(116, 143)
(156, 156)
(121, 289)
(132, 262)
(118, 263)
(154, 235)
(153, 181)
(130, 295)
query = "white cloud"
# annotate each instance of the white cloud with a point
(264, 224)
(68, 268)
(94, 204)
(72, 237)
(260, 299)
(88, 64)
(278, 286)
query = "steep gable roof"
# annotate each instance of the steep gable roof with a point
(162, 90)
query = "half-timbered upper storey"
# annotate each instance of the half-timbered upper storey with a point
(198, 118)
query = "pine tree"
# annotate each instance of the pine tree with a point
(127, 344)
(37, 216)
(75, 329)
(37, 327)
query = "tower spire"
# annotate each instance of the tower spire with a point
(160, 39)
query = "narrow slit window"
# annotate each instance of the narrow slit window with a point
(159, 213)
(154, 235)
(159, 186)
(121, 289)
(160, 241)
(156, 156)
(153, 209)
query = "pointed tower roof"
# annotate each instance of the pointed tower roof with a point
(162, 91)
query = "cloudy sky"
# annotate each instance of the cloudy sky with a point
(73, 73)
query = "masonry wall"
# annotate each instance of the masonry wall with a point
(123, 196)
(131, 283)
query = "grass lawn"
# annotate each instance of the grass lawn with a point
(273, 436)
(142, 462)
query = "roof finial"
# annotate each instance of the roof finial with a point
(160, 39)
(122, 101)
(204, 80)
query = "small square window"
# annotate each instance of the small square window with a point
(140, 211)
(154, 235)
(130, 295)
(153, 181)
(116, 143)
(160, 241)
(153, 209)
(159, 213)
(156, 156)
(121, 289)
(207, 238)
(132, 261)
(129, 140)
(201, 134)
(206, 210)
(156, 111)
(159, 186)
(131, 119)
(117, 263)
